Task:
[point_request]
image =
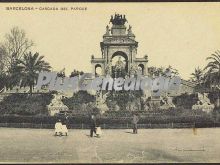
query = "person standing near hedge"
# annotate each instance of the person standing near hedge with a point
(92, 125)
(134, 122)
(66, 119)
(58, 128)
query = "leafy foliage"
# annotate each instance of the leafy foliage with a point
(76, 73)
(121, 98)
(23, 104)
(78, 100)
(197, 75)
(31, 65)
(16, 44)
(2, 80)
(161, 71)
(212, 75)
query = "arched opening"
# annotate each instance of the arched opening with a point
(119, 62)
(98, 70)
(141, 69)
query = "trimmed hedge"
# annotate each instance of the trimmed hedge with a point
(79, 119)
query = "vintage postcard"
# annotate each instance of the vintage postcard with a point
(110, 82)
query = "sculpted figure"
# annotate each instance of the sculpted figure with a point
(119, 64)
(130, 30)
(203, 103)
(56, 101)
(118, 19)
(206, 99)
(167, 102)
(107, 30)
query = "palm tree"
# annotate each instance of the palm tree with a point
(213, 68)
(31, 65)
(197, 75)
(212, 76)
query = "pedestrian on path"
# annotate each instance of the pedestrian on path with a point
(135, 122)
(92, 125)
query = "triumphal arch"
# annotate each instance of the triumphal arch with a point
(119, 51)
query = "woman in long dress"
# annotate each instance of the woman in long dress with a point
(58, 128)
(98, 128)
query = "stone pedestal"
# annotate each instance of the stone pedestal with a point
(118, 30)
(56, 106)
(154, 103)
(167, 103)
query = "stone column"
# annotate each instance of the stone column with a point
(93, 68)
(145, 69)
(103, 69)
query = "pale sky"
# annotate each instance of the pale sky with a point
(178, 34)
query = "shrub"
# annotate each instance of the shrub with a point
(24, 104)
(78, 99)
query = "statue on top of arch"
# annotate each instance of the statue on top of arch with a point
(130, 30)
(107, 33)
(118, 19)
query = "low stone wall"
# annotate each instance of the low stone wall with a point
(147, 120)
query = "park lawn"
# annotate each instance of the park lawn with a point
(118, 146)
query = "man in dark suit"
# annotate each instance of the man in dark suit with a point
(66, 119)
(134, 122)
(92, 125)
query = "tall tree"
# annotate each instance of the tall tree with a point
(197, 75)
(31, 65)
(16, 44)
(14, 47)
(161, 71)
(212, 75)
(2, 68)
(2, 59)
